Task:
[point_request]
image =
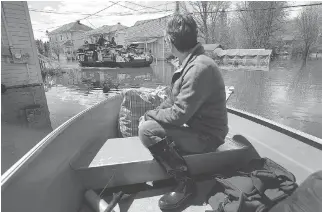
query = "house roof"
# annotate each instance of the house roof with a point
(106, 29)
(74, 26)
(140, 22)
(316, 48)
(243, 52)
(142, 30)
(211, 47)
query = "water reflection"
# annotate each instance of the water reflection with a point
(76, 89)
(283, 94)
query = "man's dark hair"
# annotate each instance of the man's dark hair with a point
(183, 32)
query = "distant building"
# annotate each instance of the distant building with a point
(69, 36)
(108, 31)
(23, 96)
(210, 48)
(149, 35)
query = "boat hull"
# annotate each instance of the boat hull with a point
(43, 180)
(46, 180)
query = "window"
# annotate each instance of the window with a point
(61, 37)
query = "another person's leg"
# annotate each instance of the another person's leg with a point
(164, 141)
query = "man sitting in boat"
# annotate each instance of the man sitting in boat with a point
(101, 41)
(194, 120)
(113, 43)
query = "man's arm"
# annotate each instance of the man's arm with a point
(196, 88)
(165, 104)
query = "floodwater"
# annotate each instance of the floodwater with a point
(284, 94)
(81, 88)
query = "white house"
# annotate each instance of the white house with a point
(69, 37)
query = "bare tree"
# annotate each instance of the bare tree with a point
(308, 27)
(40, 46)
(56, 49)
(261, 20)
(206, 14)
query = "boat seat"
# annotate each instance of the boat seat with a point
(125, 161)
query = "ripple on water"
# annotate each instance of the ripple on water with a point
(283, 94)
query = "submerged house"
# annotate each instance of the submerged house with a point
(108, 31)
(248, 59)
(68, 37)
(149, 35)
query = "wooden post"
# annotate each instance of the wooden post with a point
(98, 204)
(177, 9)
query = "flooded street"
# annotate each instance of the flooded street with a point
(283, 94)
(73, 91)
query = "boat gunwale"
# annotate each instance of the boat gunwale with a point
(289, 131)
(14, 170)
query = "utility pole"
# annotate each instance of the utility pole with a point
(177, 10)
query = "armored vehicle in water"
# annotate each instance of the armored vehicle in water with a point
(109, 55)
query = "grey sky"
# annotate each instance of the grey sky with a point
(74, 10)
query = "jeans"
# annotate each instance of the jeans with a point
(185, 139)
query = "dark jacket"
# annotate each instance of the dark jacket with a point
(198, 98)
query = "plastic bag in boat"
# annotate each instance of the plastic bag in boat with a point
(307, 197)
(135, 104)
(255, 188)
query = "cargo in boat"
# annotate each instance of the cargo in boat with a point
(86, 155)
(94, 55)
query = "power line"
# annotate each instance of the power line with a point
(80, 13)
(114, 14)
(259, 9)
(90, 23)
(118, 15)
(130, 13)
(89, 15)
(100, 10)
(126, 7)
(101, 16)
(147, 7)
(240, 10)
(54, 12)
(157, 5)
(284, 7)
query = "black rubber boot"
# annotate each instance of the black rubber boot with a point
(167, 155)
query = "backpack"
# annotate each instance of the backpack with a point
(255, 188)
(307, 197)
